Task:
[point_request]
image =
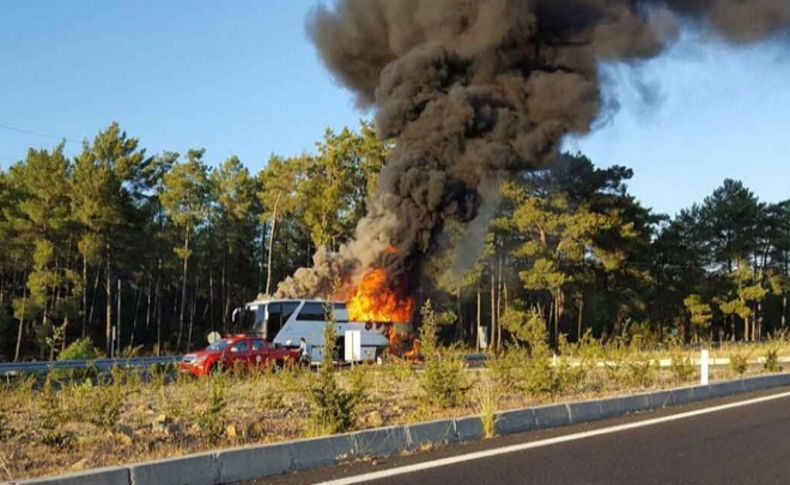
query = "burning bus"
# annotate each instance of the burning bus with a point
(283, 322)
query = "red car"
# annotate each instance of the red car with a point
(241, 352)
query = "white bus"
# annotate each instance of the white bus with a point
(284, 322)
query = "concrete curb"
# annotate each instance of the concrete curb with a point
(259, 461)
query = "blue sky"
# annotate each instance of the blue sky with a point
(241, 78)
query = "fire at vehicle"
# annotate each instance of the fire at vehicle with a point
(285, 322)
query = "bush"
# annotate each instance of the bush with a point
(640, 374)
(80, 349)
(105, 405)
(738, 363)
(52, 417)
(506, 369)
(443, 375)
(539, 375)
(212, 419)
(5, 430)
(772, 361)
(334, 410)
(682, 368)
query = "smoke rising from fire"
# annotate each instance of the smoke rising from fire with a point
(472, 90)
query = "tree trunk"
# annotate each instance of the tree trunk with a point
(459, 323)
(210, 306)
(158, 310)
(271, 245)
(134, 319)
(479, 314)
(118, 320)
(65, 333)
(108, 306)
(148, 292)
(21, 320)
(183, 289)
(192, 309)
(581, 318)
(224, 290)
(746, 325)
(499, 307)
(95, 293)
(784, 310)
(84, 295)
(557, 313)
(493, 310)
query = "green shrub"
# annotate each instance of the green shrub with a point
(212, 419)
(80, 349)
(52, 417)
(5, 430)
(506, 369)
(738, 363)
(105, 405)
(772, 361)
(540, 377)
(359, 381)
(399, 369)
(639, 374)
(681, 367)
(443, 377)
(334, 409)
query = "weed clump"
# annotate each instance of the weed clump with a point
(443, 377)
(506, 369)
(738, 363)
(771, 363)
(105, 405)
(681, 367)
(539, 375)
(52, 418)
(487, 403)
(334, 409)
(80, 349)
(212, 420)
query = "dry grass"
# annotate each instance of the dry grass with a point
(77, 425)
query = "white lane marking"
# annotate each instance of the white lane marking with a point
(547, 442)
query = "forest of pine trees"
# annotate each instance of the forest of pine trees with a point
(164, 246)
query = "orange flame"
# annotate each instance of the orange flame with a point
(375, 301)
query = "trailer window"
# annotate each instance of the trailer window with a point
(313, 312)
(341, 314)
(275, 321)
(288, 309)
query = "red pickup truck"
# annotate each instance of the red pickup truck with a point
(241, 352)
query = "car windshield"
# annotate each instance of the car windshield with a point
(218, 345)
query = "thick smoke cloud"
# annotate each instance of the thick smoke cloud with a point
(475, 89)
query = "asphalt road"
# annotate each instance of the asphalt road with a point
(743, 445)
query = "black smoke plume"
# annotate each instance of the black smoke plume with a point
(472, 90)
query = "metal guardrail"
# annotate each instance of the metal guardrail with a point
(12, 368)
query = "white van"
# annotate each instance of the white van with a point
(284, 322)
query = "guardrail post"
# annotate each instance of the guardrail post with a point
(704, 366)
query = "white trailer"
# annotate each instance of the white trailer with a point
(285, 322)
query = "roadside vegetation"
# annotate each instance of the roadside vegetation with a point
(57, 424)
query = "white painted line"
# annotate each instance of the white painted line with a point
(547, 442)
